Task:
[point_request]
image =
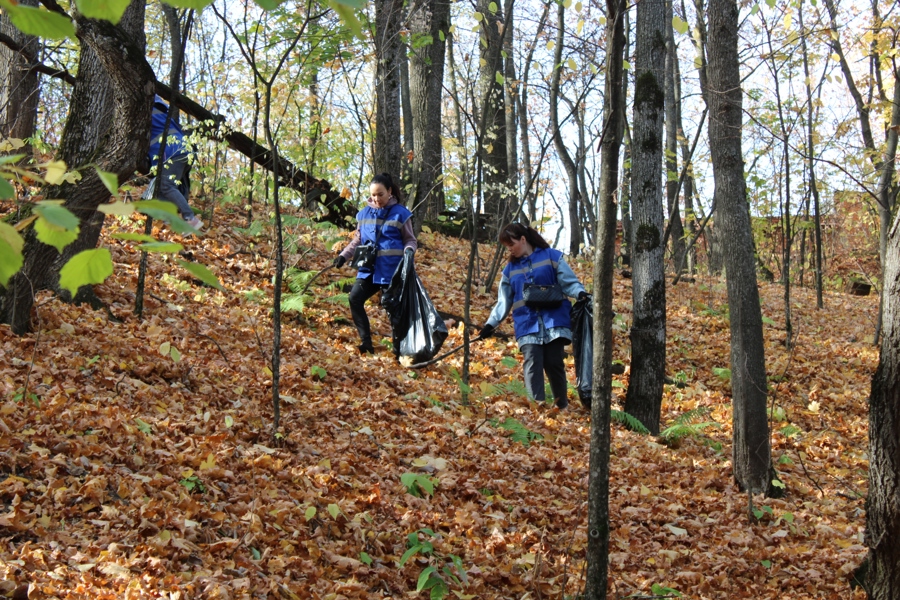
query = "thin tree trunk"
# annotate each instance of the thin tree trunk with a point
(604, 257)
(751, 453)
(671, 158)
(643, 399)
(388, 54)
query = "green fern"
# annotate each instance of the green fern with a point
(684, 425)
(294, 302)
(520, 433)
(512, 387)
(628, 421)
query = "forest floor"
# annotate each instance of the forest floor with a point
(132, 470)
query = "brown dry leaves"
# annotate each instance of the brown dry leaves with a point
(133, 475)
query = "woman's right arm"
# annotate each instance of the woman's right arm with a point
(504, 303)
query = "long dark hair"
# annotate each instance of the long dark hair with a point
(514, 231)
(387, 181)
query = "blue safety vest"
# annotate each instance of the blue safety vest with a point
(540, 268)
(389, 221)
(174, 140)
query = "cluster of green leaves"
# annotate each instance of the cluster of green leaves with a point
(520, 433)
(57, 226)
(687, 425)
(417, 484)
(441, 572)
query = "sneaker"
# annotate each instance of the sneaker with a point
(195, 222)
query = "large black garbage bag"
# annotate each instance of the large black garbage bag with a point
(418, 330)
(583, 348)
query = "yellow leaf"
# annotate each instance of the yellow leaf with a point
(56, 169)
(209, 463)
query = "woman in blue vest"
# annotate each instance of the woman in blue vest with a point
(175, 163)
(541, 333)
(387, 225)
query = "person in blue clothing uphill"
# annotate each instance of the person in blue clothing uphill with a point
(541, 332)
(175, 163)
(386, 225)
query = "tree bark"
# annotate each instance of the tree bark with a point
(115, 84)
(495, 165)
(575, 237)
(388, 54)
(883, 502)
(751, 453)
(19, 89)
(673, 105)
(604, 257)
(429, 18)
(643, 399)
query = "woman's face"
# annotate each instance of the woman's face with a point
(518, 247)
(379, 195)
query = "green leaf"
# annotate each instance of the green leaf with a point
(723, 373)
(118, 208)
(365, 558)
(6, 189)
(202, 273)
(11, 260)
(509, 362)
(766, 563)
(108, 10)
(229, 423)
(492, 7)
(439, 590)
(38, 21)
(143, 426)
(142, 206)
(110, 180)
(771, 3)
(334, 510)
(56, 214)
(310, 513)
(85, 268)
(423, 577)
(157, 246)
(443, 38)
(679, 25)
(256, 553)
(408, 554)
(347, 14)
(54, 236)
(499, 78)
(133, 237)
(195, 4)
(175, 354)
(12, 237)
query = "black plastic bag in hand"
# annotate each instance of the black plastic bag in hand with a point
(417, 328)
(583, 347)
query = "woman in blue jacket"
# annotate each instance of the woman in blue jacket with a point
(387, 225)
(175, 162)
(541, 333)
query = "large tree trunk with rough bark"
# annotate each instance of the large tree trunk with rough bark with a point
(604, 257)
(648, 332)
(115, 84)
(388, 54)
(428, 19)
(19, 89)
(883, 502)
(751, 452)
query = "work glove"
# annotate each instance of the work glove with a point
(486, 331)
(583, 296)
(339, 261)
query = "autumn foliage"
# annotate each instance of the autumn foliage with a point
(138, 460)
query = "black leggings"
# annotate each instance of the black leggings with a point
(362, 290)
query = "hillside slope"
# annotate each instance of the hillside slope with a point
(130, 474)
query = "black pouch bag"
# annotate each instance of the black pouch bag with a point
(542, 296)
(583, 348)
(364, 257)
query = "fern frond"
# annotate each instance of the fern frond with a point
(680, 430)
(343, 299)
(512, 387)
(690, 415)
(520, 433)
(293, 302)
(629, 421)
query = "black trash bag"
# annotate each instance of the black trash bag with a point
(583, 348)
(418, 330)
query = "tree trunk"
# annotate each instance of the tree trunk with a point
(428, 18)
(648, 332)
(112, 66)
(495, 165)
(574, 198)
(672, 118)
(751, 454)
(19, 90)
(883, 502)
(388, 54)
(604, 257)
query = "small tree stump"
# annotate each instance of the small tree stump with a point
(859, 288)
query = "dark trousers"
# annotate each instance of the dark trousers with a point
(362, 290)
(545, 358)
